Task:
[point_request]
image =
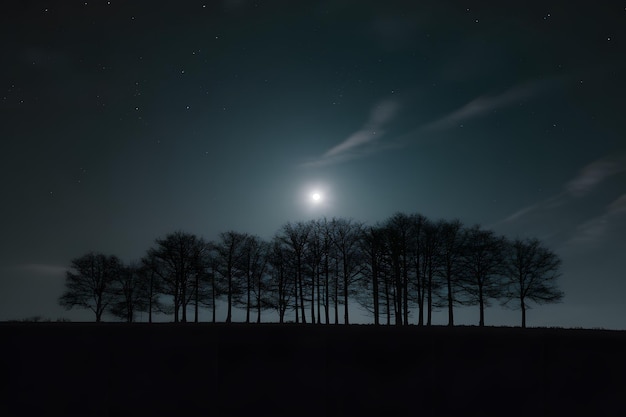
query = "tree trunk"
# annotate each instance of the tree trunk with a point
(327, 291)
(397, 299)
(429, 318)
(345, 291)
(258, 301)
(375, 289)
(405, 292)
(336, 292)
(481, 303)
(319, 304)
(248, 285)
(229, 311)
(387, 302)
(295, 296)
(313, 297)
(300, 284)
(151, 296)
(195, 316)
(523, 306)
(450, 306)
(213, 294)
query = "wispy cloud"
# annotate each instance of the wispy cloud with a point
(485, 104)
(595, 173)
(576, 196)
(590, 177)
(40, 269)
(357, 143)
(549, 203)
(594, 230)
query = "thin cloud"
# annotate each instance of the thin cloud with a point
(484, 104)
(594, 230)
(589, 178)
(357, 144)
(575, 194)
(40, 269)
(549, 203)
(595, 173)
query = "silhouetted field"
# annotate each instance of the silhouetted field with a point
(305, 370)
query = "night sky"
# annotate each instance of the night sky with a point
(124, 121)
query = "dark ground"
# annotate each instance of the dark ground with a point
(111, 369)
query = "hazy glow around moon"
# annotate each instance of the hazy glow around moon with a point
(316, 198)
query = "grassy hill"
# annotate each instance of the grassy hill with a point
(304, 370)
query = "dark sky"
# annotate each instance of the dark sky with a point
(124, 121)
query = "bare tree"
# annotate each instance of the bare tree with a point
(88, 283)
(374, 252)
(314, 266)
(295, 238)
(346, 237)
(418, 257)
(532, 271)
(230, 260)
(430, 251)
(212, 289)
(451, 249)
(132, 293)
(147, 272)
(253, 267)
(178, 260)
(482, 266)
(282, 279)
(399, 231)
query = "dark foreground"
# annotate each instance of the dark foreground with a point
(287, 370)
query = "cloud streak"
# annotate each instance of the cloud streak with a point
(589, 178)
(595, 173)
(357, 143)
(575, 192)
(592, 231)
(484, 104)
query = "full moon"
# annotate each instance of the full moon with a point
(316, 197)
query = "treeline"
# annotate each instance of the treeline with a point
(315, 269)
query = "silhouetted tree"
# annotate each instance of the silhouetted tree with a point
(482, 266)
(230, 251)
(282, 279)
(132, 292)
(451, 249)
(212, 290)
(532, 270)
(314, 267)
(346, 235)
(253, 268)
(398, 230)
(328, 253)
(295, 237)
(430, 250)
(418, 257)
(88, 283)
(373, 248)
(178, 260)
(147, 271)
(259, 256)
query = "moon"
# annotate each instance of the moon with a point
(316, 197)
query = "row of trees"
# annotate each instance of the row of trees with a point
(316, 269)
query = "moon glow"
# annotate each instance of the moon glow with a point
(316, 197)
